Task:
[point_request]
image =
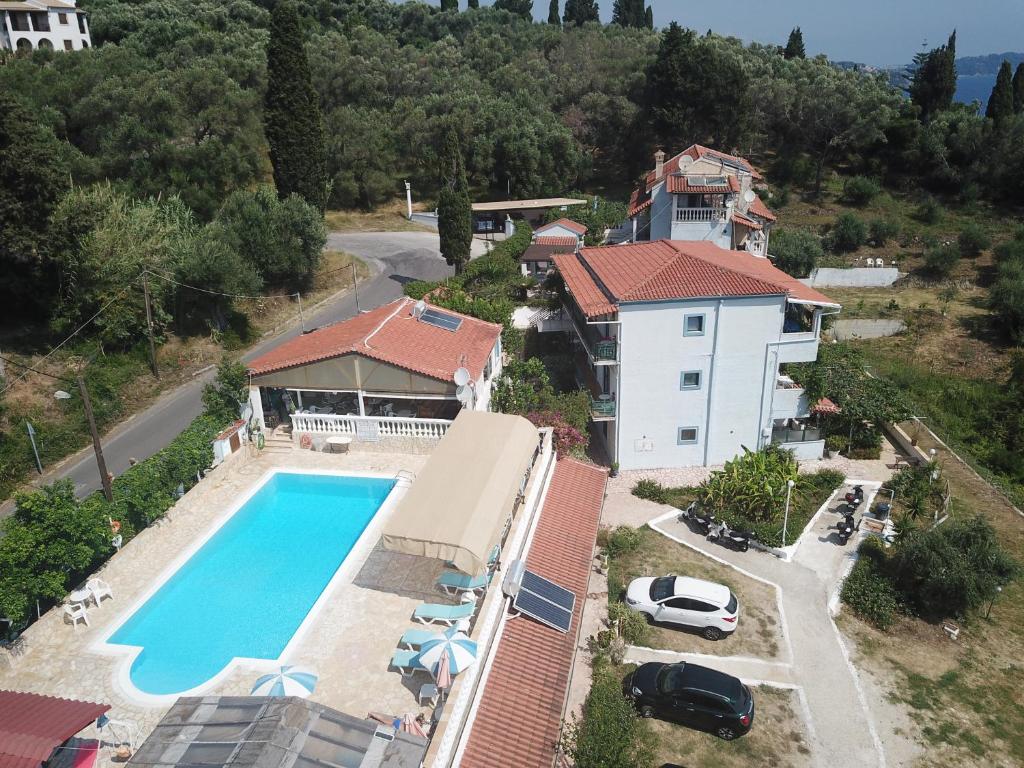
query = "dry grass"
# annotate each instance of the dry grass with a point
(777, 739)
(389, 217)
(759, 629)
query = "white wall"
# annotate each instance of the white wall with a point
(736, 390)
(485, 386)
(718, 232)
(557, 231)
(58, 34)
(661, 214)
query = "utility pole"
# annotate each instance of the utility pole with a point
(302, 321)
(355, 284)
(104, 476)
(32, 437)
(149, 325)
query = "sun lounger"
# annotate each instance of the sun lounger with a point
(414, 638)
(453, 581)
(405, 662)
(445, 614)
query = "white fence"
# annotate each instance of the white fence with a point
(368, 427)
(700, 214)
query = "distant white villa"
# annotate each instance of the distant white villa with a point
(702, 194)
(683, 346)
(27, 25)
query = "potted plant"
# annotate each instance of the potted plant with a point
(614, 470)
(834, 444)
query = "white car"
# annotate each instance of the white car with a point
(711, 608)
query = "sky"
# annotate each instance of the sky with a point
(878, 32)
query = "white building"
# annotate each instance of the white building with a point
(683, 346)
(406, 369)
(559, 236)
(702, 194)
(27, 25)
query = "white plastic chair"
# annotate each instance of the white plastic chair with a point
(76, 613)
(99, 589)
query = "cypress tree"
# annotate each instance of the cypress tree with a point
(449, 5)
(795, 45)
(523, 8)
(629, 13)
(933, 82)
(1000, 103)
(291, 113)
(649, 17)
(619, 13)
(472, 4)
(454, 209)
(1018, 89)
(579, 12)
(553, 16)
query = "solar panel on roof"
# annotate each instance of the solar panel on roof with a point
(441, 320)
(544, 600)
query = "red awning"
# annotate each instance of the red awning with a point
(825, 407)
(32, 726)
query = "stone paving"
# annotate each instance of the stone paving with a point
(349, 650)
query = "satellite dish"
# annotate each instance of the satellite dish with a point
(464, 394)
(685, 161)
(60, 394)
(419, 308)
(462, 377)
(749, 196)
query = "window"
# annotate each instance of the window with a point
(68, 45)
(687, 436)
(62, 18)
(682, 603)
(689, 380)
(700, 605)
(693, 325)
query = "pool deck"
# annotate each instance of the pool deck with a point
(349, 643)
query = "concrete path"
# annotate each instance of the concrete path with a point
(842, 731)
(394, 258)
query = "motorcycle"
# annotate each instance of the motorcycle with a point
(855, 497)
(723, 534)
(694, 517)
(846, 528)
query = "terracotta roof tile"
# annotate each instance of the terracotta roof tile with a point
(600, 278)
(557, 240)
(681, 184)
(32, 725)
(392, 335)
(519, 715)
(541, 252)
(758, 208)
(640, 200)
(572, 226)
(746, 221)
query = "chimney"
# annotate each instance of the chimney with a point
(659, 163)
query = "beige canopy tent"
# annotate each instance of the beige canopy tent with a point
(457, 508)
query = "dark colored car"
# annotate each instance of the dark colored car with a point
(692, 695)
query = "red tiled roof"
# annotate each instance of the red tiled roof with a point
(601, 278)
(572, 226)
(680, 184)
(230, 430)
(32, 725)
(739, 218)
(758, 208)
(826, 406)
(696, 152)
(539, 252)
(638, 201)
(557, 240)
(392, 335)
(519, 715)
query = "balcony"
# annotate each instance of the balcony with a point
(602, 408)
(806, 443)
(789, 400)
(601, 349)
(701, 214)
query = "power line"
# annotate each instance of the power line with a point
(215, 293)
(34, 370)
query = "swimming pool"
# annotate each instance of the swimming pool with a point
(250, 586)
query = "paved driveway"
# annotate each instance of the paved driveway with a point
(840, 728)
(395, 258)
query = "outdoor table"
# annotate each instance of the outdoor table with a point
(338, 443)
(80, 596)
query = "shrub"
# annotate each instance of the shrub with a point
(566, 439)
(795, 252)
(650, 490)
(837, 443)
(868, 591)
(611, 733)
(623, 540)
(881, 231)
(848, 233)
(973, 240)
(940, 260)
(222, 400)
(752, 486)
(929, 211)
(633, 626)
(860, 190)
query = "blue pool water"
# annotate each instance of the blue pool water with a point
(249, 587)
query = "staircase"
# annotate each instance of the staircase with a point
(279, 440)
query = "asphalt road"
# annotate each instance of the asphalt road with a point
(394, 258)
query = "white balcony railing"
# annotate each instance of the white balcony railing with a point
(368, 427)
(700, 214)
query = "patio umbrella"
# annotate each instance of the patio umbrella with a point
(449, 652)
(443, 671)
(287, 681)
(411, 725)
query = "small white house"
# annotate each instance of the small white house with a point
(702, 194)
(683, 346)
(560, 228)
(406, 368)
(27, 25)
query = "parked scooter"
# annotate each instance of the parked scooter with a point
(855, 497)
(694, 516)
(723, 534)
(846, 528)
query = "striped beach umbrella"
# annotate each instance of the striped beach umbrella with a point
(287, 681)
(451, 649)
